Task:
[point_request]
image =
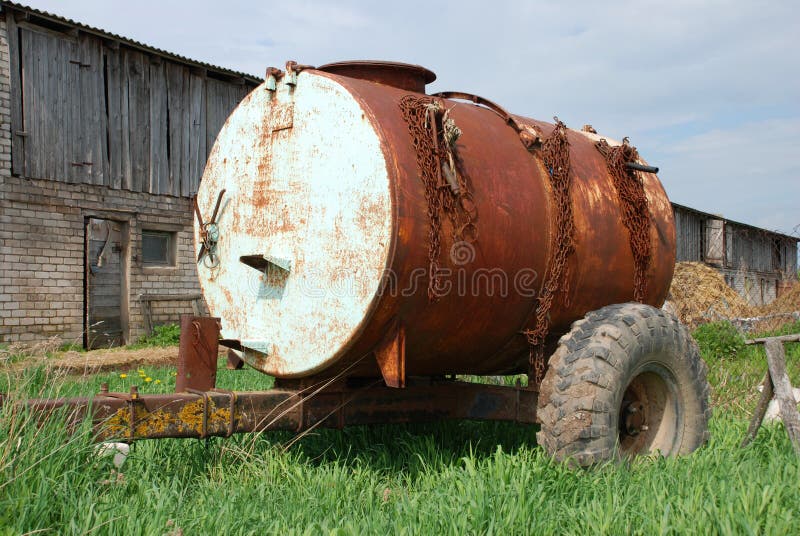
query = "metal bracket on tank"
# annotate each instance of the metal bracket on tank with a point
(273, 74)
(391, 355)
(262, 263)
(262, 347)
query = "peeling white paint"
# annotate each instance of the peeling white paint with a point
(306, 180)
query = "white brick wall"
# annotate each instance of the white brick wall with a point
(756, 289)
(42, 245)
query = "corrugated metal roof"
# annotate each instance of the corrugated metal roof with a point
(13, 6)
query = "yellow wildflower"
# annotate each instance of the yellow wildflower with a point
(148, 379)
(123, 375)
(158, 381)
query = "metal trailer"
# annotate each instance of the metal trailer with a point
(365, 242)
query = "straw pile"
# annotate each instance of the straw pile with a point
(699, 294)
(787, 302)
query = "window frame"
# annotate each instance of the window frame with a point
(171, 248)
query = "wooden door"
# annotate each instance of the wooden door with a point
(103, 283)
(715, 242)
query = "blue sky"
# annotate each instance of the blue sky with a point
(708, 90)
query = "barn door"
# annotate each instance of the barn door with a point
(715, 242)
(103, 283)
(63, 106)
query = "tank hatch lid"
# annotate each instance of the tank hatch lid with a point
(391, 73)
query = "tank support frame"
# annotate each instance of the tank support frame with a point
(201, 414)
(200, 410)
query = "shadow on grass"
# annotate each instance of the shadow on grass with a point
(406, 448)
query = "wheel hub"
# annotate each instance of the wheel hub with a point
(645, 424)
(634, 418)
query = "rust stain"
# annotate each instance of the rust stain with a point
(464, 332)
(163, 423)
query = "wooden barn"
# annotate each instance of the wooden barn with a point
(102, 142)
(757, 263)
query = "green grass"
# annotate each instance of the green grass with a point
(733, 375)
(162, 336)
(447, 478)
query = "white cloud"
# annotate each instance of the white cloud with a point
(747, 172)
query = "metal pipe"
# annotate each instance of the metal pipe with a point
(641, 167)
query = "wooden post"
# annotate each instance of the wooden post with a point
(761, 410)
(783, 391)
(777, 379)
(146, 315)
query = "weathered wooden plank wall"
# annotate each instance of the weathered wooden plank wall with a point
(196, 127)
(221, 99)
(177, 95)
(18, 135)
(754, 250)
(62, 107)
(100, 113)
(791, 256)
(745, 247)
(689, 232)
(93, 110)
(159, 156)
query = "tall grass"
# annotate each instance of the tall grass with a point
(446, 478)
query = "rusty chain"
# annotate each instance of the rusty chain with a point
(556, 158)
(447, 193)
(433, 137)
(635, 211)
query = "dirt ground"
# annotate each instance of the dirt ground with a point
(100, 360)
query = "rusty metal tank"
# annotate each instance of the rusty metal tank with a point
(318, 256)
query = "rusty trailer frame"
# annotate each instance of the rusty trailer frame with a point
(202, 414)
(199, 410)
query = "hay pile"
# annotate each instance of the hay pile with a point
(787, 302)
(699, 294)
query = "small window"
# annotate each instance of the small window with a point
(158, 248)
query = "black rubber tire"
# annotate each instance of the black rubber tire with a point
(632, 361)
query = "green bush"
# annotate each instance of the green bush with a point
(719, 340)
(164, 335)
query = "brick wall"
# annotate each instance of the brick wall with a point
(756, 288)
(42, 246)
